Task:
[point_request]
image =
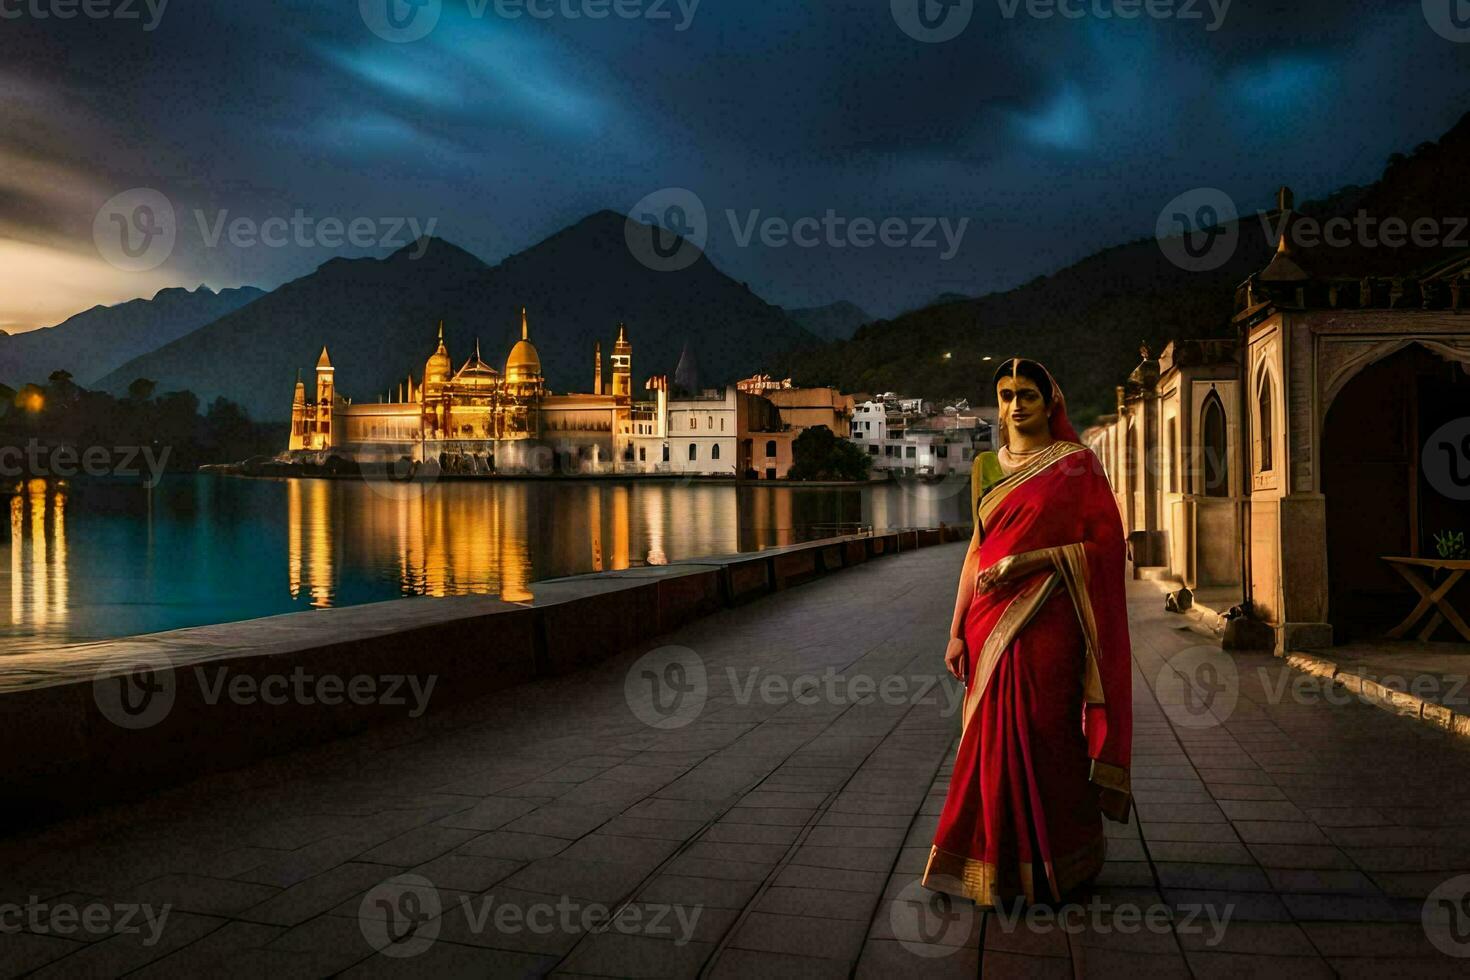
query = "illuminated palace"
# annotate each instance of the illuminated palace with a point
(479, 421)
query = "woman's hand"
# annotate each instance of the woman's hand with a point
(956, 657)
(993, 576)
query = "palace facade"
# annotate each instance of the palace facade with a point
(480, 421)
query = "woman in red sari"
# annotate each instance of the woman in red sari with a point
(1040, 638)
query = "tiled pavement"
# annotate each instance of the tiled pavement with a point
(794, 822)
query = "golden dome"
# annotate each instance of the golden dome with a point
(437, 367)
(524, 363)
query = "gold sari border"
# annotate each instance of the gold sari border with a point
(1115, 790)
(1056, 452)
(1020, 611)
(987, 884)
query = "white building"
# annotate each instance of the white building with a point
(902, 437)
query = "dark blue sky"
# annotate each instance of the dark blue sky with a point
(1053, 136)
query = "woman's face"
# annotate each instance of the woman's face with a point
(1021, 406)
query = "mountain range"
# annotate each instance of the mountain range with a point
(379, 317)
(379, 320)
(1088, 321)
(835, 321)
(94, 342)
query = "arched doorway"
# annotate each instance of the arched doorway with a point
(1214, 448)
(1379, 502)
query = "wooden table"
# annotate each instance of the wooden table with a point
(1430, 597)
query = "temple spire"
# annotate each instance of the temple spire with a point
(525, 327)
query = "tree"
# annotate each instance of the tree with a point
(817, 454)
(141, 389)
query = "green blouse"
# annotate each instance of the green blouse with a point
(985, 474)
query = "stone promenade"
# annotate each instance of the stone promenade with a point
(773, 826)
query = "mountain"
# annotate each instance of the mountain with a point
(836, 321)
(379, 319)
(93, 343)
(1086, 322)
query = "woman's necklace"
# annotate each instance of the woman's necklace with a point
(1013, 458)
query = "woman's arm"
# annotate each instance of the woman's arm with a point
(956, 657)
(1012, 567)
(967, 586)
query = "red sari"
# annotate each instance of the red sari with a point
(1048, 713)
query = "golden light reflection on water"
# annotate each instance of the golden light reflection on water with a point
(92, 561)
(39, 580)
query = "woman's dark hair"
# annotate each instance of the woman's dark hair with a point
(1029, 370)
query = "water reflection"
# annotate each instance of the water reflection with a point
(92, 560)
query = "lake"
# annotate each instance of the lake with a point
(95, 560)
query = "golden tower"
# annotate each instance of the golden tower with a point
(622, 365)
